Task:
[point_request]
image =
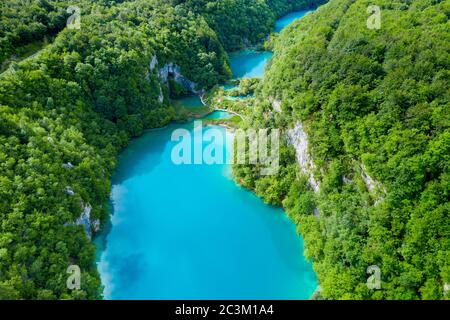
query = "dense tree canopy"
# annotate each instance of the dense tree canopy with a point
(375, 104)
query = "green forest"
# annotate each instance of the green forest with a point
(67, 111)
(375, 106)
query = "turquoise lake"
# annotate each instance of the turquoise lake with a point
(189, 232)
(283, 22)
(189, 102)
(249, 63)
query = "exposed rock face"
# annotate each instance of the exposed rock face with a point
(69, 191)
(153, 63)
(161, 95)
(317, 295)
(85, 221)
(374, 187)
(298, 138)
(346, 180)
(370, 183)
(68, 165)
(173, 70)
(51, 141)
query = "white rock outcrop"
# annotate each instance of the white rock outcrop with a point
(161, 95)
(173, 70)
(153, 63)
(346, 180)
(85, 221)
(51, 141)
(68, 165)
(375, 188)
(316, 212)
(299, 139)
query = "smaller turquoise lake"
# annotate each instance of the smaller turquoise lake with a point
(189, 102)
(283, 22)
(249, 63)
(189, 232)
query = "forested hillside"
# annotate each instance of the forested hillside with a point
(24, 24)
(67, 112)
(374, 104)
